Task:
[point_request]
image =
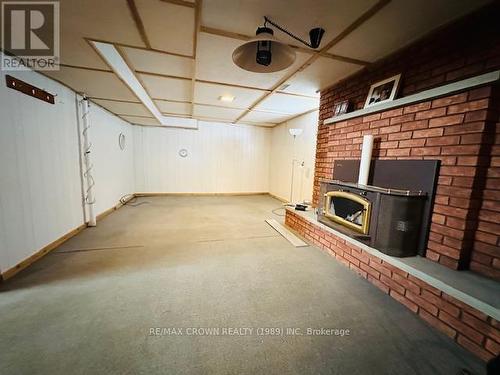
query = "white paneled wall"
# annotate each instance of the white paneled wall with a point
(40, 184)
(39, 180)
(113, 170)
(222, 158)
(299, 155)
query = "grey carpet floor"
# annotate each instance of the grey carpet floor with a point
(178, 263)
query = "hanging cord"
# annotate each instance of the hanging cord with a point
(283, 207)
(126, 200)
(277, 209)
(267, 20)
(88, 172)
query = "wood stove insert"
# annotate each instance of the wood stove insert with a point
(388, 220)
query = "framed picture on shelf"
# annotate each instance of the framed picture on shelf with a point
(341, 107)
(383, 91)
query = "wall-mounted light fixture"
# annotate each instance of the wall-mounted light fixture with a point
(121, 141)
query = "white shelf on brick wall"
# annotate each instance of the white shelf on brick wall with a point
(437, 92)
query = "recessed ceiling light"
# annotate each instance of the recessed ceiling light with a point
(226, 98)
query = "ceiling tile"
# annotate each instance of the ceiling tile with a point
(94, 19)
(123, 108)
(77, 52)
(298, 16)
(156, 62)
(166, 88)
(321, 73)
(291, 104)
(229, 114)
(265, 117)
(169, 27)
(207, 93)
(173, 107)
(214, 63)
(93, 83)
(141, 120)
(398, 24)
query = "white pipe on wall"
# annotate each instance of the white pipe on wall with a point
(89, 194)
(79, 127)
(366, 158)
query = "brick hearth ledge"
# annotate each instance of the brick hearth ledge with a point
(462, 305)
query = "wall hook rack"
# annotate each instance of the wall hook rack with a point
(26, 88)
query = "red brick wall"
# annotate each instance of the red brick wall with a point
(486, 245)
(469, 327)
(457, 129)
(452, 129)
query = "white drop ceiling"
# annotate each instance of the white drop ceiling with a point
(180, 51)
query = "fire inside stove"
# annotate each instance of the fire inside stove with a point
(348, 209)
